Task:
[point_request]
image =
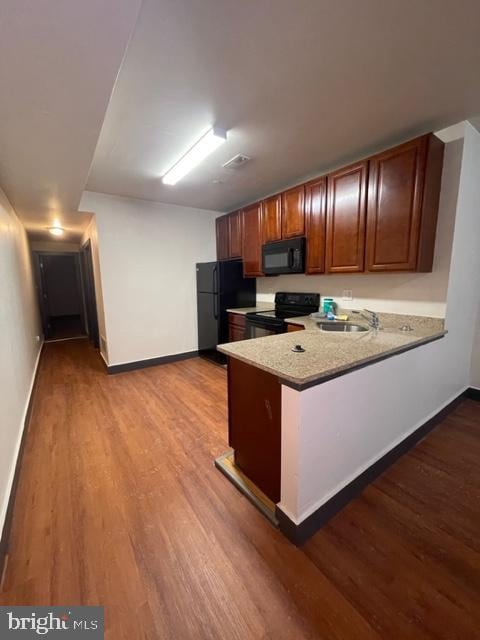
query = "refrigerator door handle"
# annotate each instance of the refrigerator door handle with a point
(215, 292)
(215, 280)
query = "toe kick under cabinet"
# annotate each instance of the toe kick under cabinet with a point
(254, 425)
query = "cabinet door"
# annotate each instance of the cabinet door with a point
(293, 212)
(235, 234)
(346, 208)
(315, 207)
(252, 241)
(272, 219)
(395, 195)
(254, 425)
(223, 245)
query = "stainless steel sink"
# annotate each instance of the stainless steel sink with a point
(343, 327)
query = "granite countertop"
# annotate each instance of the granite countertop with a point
(328, 354)
(260, 306)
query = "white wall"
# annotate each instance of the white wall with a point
(147, 256)
(333, 431)
(417, 293)
(19, 342)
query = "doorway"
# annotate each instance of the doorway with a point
(60, 295)
(89, 295)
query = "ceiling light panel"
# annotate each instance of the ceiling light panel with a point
(204, 146)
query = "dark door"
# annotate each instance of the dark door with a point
(60, 295)
(88, 280)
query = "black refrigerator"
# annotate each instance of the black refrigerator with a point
(220, 286)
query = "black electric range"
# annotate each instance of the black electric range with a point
(287, 305)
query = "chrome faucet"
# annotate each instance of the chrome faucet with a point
(373, 319)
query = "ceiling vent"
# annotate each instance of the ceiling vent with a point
(236, 162)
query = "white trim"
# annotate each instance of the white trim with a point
(103, 358)
(6, 498)
(308, 512)
(452, 133)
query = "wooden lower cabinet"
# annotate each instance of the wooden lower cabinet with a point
(237, 327)
(254, 425)
(294, 327)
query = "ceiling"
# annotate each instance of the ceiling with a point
(58, 65)
(301, 86)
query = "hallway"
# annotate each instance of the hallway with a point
(119, 504)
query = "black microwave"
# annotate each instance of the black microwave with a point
(286, 256)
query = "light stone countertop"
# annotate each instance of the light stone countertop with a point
(329, 354)
(260, 306)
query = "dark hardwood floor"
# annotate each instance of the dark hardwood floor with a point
(119, 504)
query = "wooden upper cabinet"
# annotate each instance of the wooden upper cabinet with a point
(235, 234)
(315, 212)
(293, 212)
(272, 219)
(403, 196)
(223, 243)
(346, 209)
(252, 240)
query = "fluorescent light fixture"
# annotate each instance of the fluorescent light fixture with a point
(210, 140)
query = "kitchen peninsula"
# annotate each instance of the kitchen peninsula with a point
(312, 415)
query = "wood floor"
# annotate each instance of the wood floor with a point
(119, 504)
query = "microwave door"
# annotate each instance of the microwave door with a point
(276, 261)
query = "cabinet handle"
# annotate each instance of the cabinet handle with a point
(269, 409)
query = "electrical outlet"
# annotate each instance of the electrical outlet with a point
(347, 295)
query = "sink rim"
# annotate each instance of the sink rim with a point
(359, 328)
